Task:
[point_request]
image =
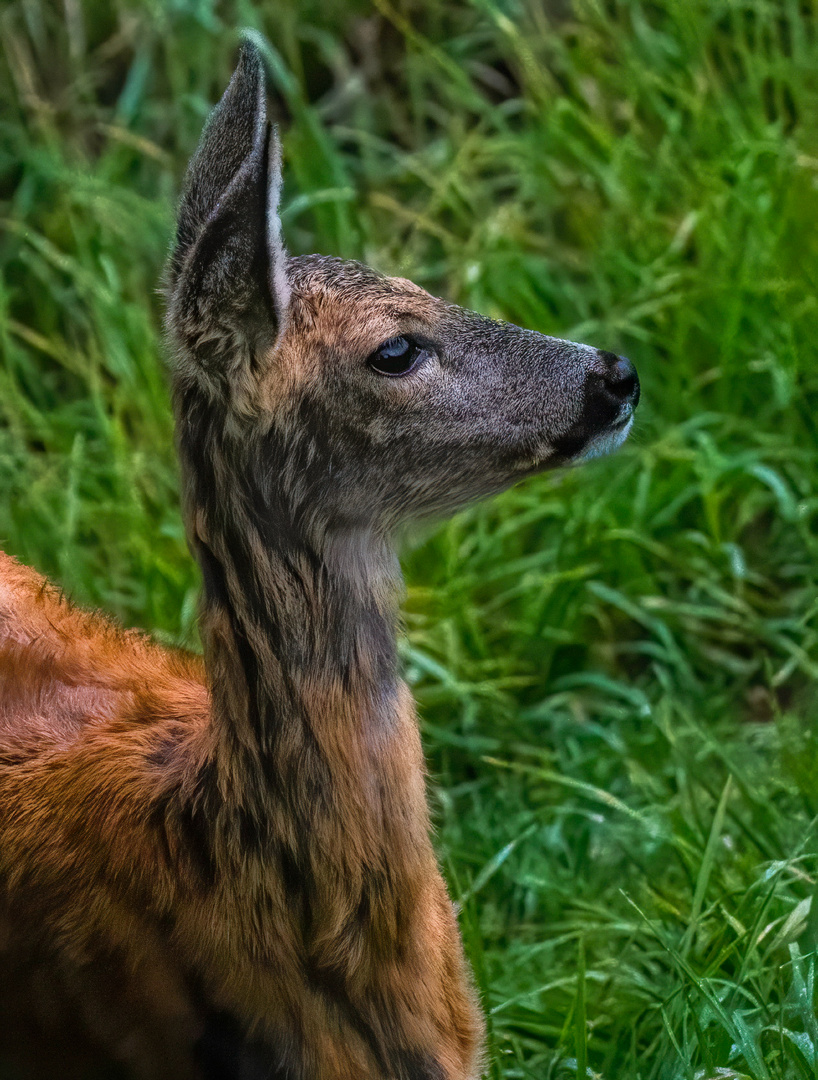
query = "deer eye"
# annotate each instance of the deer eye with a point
(397, 356)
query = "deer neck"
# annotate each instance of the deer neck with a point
(298, 623)
(294, 628)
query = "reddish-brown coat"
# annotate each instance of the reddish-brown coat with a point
(101, 732)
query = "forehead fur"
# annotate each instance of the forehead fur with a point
(343, 277)
(352, 307)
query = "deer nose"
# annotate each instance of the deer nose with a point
(619, 380)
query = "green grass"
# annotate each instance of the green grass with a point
(615, 665)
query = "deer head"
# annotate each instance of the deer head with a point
(353, 400)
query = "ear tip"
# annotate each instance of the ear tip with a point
(250, 56)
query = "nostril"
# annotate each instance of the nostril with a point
(621, 379)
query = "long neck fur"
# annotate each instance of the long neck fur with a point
(313, 746)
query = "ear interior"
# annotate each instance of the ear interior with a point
(227, 284)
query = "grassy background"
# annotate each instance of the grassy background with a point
(615, 665)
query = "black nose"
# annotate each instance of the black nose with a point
(619, 379)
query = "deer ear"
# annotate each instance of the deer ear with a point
(227, 278)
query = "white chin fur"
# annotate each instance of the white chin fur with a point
(605, 443)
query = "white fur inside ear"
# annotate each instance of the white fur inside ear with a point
(279, 282)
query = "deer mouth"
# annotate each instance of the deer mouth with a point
(594, 439)
(606, 441)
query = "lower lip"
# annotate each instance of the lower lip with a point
(606, 442)
(623, 422)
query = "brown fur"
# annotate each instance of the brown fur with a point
(222, 868)
(104, 730)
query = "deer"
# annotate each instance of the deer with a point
(220, 866)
